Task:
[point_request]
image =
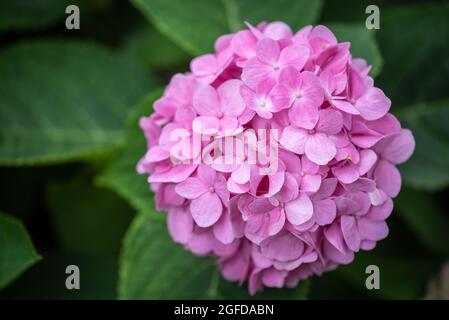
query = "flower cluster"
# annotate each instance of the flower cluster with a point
(338, 148)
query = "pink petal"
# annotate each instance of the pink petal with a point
(294, 139)
(284, 247)
(330, 121)
(236, 267)
(281, 97)
(373, 104)
(206, 125)
(382, 212)
(237, 188)
(300, 210)
(320, 149)
(180, 225)
(206, 174)
(334, 235)
(337, 256)
(347, 173)
(388, 178)
(311, 89)
(220, 187)
(361, 184)
(276, 222)
(201, 243)
(170, 195)
(267, 51)
(372, 230)
(259, 260)
(254, 71)
(205, 101)
(304, 115)
(323, 33)
(242, 174)
(295, 56)
(377, 197)
(156, 154)
(223, 229)
(276, 182)
(249, 97)
(277, 30)
(176, 174)
(289, 190)
(325, 211)
(310, 183)
(356, 83)
(387, 125)
(350, 232)
(345, 106)
(231, 101)
(244, 44)
(273, 278)
(191, 188)
(206, 210)
(229, 126)
(327, 188)
(367, 159)
(397, 148)
(203, 65)
(308, 166)
(362, 136)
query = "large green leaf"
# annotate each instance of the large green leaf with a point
(426, 218)
(428, 168)
(121, 175)
(363, 43)
(195, 24)
(16, 249)
(152, 266)
(413, 41)
(63, 100)
(154, 50)
(26, 14)
(80, 212)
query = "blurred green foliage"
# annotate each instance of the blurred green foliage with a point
(70, 101)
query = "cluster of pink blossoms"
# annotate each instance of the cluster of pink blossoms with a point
(338, 149)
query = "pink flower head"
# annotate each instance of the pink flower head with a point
(322, 185)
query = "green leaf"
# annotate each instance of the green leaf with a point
(196, 24)
(25, 14)
(80, 212)
(428, 168)
(16, 249)
(63, 101)
(154, 50)
(152, 266)
(426, 218)
(121, 175)
(363, 43)
(413, 40)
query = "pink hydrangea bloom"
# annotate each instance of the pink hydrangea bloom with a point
(328, 129)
